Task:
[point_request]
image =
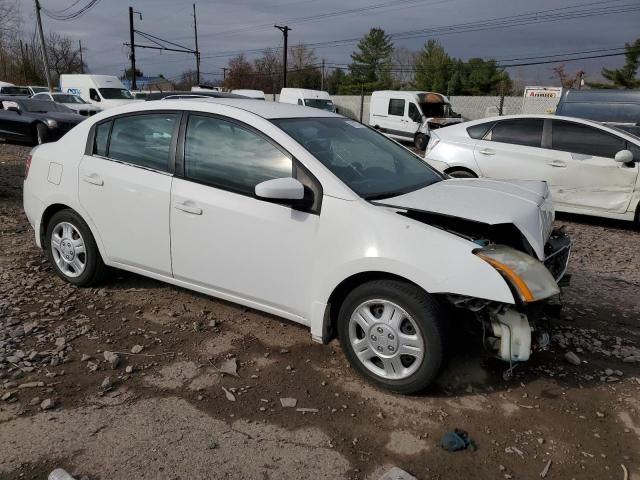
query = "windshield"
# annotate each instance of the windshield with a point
(43, 106)
(65, 98)
(39, 89)
(437, 110)
(366, 161)
(320, 103)
(116, 94)
(15, 91)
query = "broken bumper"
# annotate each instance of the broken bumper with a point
(557, 251)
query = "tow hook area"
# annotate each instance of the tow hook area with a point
(511, 328)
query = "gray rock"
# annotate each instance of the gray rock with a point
(48, 404)
(137, 349)
(85, 357)
(112, 358)
(572, 358)
(6, 396)
(106, 383)
(397, 474)
(288, 402)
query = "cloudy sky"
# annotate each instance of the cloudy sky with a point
(226, 27)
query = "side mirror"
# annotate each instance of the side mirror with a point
(624, 156)
(287, 191)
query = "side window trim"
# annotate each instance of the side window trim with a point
(171, 164)
(404, 107)
(296, 165)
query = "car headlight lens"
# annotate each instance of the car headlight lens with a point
(52, 123)
(528, 276)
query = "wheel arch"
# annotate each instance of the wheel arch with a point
(458, 168)
(54, 208)
(340, 292)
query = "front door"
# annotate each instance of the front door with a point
(222, 236)
(397, 122)
(125, 187)
(584, 173)
(512, 150)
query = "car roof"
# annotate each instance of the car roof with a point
(268, 110)
(602, 95)
(195, 94)
(532, 115)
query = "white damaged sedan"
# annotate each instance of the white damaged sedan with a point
(303, 214)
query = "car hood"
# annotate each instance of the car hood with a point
(68, 118)
(525, 204)
(82, 106)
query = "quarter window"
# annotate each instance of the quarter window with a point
(519, 131)
(143, 140)
(101, 139)
(479, 131)
(585, 140)
(396, 107)
(225, 155)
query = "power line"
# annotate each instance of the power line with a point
(61, 16)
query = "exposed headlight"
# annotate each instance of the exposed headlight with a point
(52, 123)
(529, 277)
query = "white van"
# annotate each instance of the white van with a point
(104, 91)
(205, 88)
(410, 116)
(255, 94)
(308, 98)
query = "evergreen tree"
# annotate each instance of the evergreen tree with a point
(625, 77)
(371, 62)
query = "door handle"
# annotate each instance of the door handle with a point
(488, 151)
(93, 179)
(185, 207)
(557, 163)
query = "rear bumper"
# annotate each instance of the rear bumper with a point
(33, 209)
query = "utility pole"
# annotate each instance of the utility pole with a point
(322, 78)
(43, 48)
(224, 73)
(132, 55)
(285, 31)
(195, 31)
(81, 61)
(24, 64)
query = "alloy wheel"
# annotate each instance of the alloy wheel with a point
(68, 249)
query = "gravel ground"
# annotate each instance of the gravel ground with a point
(201, 395)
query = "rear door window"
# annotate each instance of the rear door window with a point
(144, 140)
(518, 131)
(396, 107)
(101, 139)
(585, 140)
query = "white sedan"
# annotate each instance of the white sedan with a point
(304, 214)
(591, 168)
(73, 102)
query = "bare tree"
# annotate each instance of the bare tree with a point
(64, 55)
(566, 79)
(241, 73)
(188, 79)
(402, 61)
(268, 71)
(303, 71)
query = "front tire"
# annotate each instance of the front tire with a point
(42, 133)
(421, 141)
(72, 250)
(392, 334)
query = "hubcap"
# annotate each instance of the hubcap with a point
(68, 249)
(386, 339)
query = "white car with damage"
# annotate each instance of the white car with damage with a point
(304, 214)
(591, 168)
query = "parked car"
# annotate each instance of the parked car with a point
(591, 168)
(195, 94)
(308, 98)
(620, 108)
(303, 214)
(72, 102)
(17, 91)
(34, 121)
(104, 91)
(410, 116)
(255, 94)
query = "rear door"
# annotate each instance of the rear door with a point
(584, 173)
(512, 149)
(125, 186)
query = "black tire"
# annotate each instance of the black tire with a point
(42, 134)
(460, 173)
(94, 269)
(428, 315)
(421, 141)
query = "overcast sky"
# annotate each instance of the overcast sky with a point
(105, 28)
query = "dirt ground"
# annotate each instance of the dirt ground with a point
(169, 412)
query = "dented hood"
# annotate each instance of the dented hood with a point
(523, 203)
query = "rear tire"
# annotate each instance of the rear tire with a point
(42, 133)
(421, 141)
(459, 173)
(392, 333)
(72, 251)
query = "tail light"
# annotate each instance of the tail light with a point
(27, 166)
